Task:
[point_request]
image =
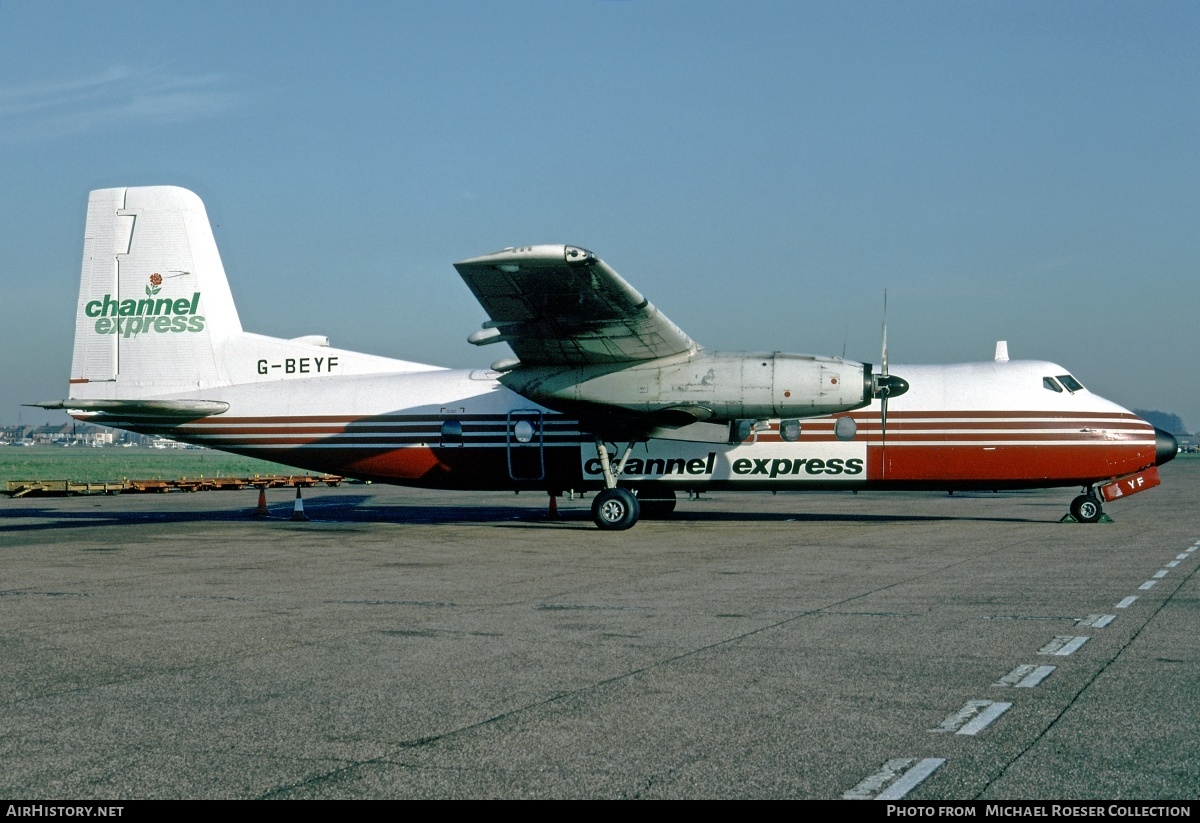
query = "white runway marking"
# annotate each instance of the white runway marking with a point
(1014, 677)
(985, 718)
(1161, 573)
(1096, 621)
(911, 778)
(1183, 556)
(866, 789)
(1063, 645)
(1036, 676)
(1172, 564)
(1149, 584)
(973, 718)
(1127, 602)
(1025, 676)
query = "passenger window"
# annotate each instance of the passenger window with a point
(845, 428)
(452, 431)
(1051, 384)
(1071, 383)
(789, 430)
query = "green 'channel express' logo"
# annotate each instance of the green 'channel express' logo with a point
(152, 314)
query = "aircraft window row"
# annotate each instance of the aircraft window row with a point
(789, 429)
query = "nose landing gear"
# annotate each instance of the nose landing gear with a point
(1086, 508)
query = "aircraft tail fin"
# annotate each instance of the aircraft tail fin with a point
(154, 302)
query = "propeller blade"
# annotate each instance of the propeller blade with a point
(883, 398)
(883, 360)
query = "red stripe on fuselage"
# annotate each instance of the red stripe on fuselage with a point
(1006, 464)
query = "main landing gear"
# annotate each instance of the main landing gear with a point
(614, 508)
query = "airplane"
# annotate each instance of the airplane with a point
(598, 372)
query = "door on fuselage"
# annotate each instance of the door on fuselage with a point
(525, 445)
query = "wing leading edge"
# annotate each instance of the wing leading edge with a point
(563, 306)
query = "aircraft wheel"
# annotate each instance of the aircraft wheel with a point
(615, 509)
(1086, 509)
(659, 506)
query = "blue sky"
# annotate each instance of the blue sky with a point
(761, 171)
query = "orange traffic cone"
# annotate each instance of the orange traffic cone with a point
(298, 509)
(261, 511)
(552, 512)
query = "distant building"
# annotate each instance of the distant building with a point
(53, 433)
(64, 434)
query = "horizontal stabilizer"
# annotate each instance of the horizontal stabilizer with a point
(190, 409)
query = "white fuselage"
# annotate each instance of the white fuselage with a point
(975, 425)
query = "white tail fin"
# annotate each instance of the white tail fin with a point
(154, 304)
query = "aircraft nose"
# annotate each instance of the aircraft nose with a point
(1165, 447)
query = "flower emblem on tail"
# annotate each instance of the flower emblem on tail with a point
(155, 284)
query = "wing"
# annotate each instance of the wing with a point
(562, 305)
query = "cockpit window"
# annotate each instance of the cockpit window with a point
(1051, 384)
(1071, 383)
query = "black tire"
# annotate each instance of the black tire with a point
(1086, 509)
(657, 505)
(615, 509)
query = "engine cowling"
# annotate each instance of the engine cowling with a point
(705, 387)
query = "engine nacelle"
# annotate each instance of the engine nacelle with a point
(706, 386)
